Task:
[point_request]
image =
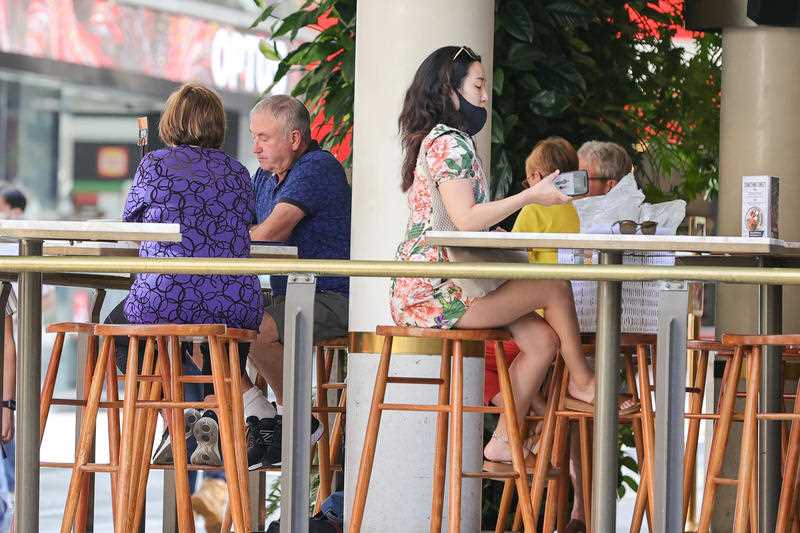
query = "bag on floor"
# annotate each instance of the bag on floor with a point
(316, 524)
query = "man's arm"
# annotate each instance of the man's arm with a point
(279, 224)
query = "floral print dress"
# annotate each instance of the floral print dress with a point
(445, 154)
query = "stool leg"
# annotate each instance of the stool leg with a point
(112, 395)
(151, 418)
(87, 431)
(505, 506)
(586, 469)
(456, 439)
(514, 437)
(50, 382)
(440, 446)
(127, 444)
(82, 518)
(323, 447)
(139, 425)
(237, 413)
(790, 472)
(720, 440)
(177, 438)
(546, 441)
(638, 439)
(371, 437)
(693, 432)
(648, 424)
(749, 441)
(226, 435)
(338, 425)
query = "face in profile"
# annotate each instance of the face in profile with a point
(8, 212)
(272, 146)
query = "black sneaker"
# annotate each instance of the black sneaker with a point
(163, 453)
(316, 426)
(263, 442)
(206, 432)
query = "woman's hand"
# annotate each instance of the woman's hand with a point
(8, 425)
(546, 193)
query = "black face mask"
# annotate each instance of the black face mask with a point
(474, 116)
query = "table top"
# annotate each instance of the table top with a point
(131, 249)
(633, 243)
(88, 230)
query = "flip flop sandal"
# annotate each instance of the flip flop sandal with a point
(574, 404)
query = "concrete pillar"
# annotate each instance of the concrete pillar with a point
(758, 135)
(393, 39)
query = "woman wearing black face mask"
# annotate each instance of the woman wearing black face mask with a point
(447, 190)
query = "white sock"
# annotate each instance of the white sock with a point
(279, 409)
(256, 404)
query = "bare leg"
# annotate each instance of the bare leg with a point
(575, 475)
(520, 298)
(539, 346)
(266, 353)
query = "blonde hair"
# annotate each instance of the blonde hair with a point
(193, 115)
(549, 155)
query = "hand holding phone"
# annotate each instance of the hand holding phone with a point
(545, 192)
(572, 183)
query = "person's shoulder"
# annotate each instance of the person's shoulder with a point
(319, 163)
(447, 139)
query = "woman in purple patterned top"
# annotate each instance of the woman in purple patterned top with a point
(193, 183)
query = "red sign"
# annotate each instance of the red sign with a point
(106, 34)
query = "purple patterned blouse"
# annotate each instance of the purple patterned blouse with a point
(211, 196)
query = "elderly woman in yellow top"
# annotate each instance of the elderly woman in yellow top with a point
(554, 153)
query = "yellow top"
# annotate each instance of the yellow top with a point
(534, 218)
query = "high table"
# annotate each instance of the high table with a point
(670, 378)
(31, 234)
(294, 380)
(79, 235)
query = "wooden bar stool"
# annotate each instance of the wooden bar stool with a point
(745, 348)
(330, 443)
(450, 402)
(158, 384)
(748, 347)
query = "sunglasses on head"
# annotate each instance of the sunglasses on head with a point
(467, 51)
(630, 227)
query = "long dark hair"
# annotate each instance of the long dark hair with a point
(428, 102)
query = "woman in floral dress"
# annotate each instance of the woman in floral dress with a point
(447, 190)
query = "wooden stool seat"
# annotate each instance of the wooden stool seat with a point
(71, 327)
(445, 334)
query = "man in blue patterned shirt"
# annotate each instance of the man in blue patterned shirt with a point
(302, 199)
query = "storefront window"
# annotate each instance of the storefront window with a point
(29, 133)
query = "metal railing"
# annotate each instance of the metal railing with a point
(368, 268)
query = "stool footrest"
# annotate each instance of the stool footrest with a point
(150, 404)
(415, 381)
(327, 409)
(82, 403)
(726, 481)
(489, 475)
(413, 407)
(338, 386)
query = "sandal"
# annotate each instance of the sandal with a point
(574, 404)
(530, 446)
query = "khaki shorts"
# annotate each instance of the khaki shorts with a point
(331, 311)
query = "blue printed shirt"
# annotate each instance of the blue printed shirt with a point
(317, 185)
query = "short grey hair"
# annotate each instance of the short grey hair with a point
(609, 160)
(289, 110)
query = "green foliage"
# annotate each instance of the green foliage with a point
(324, 65)
(585, 69)
(581, 69)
